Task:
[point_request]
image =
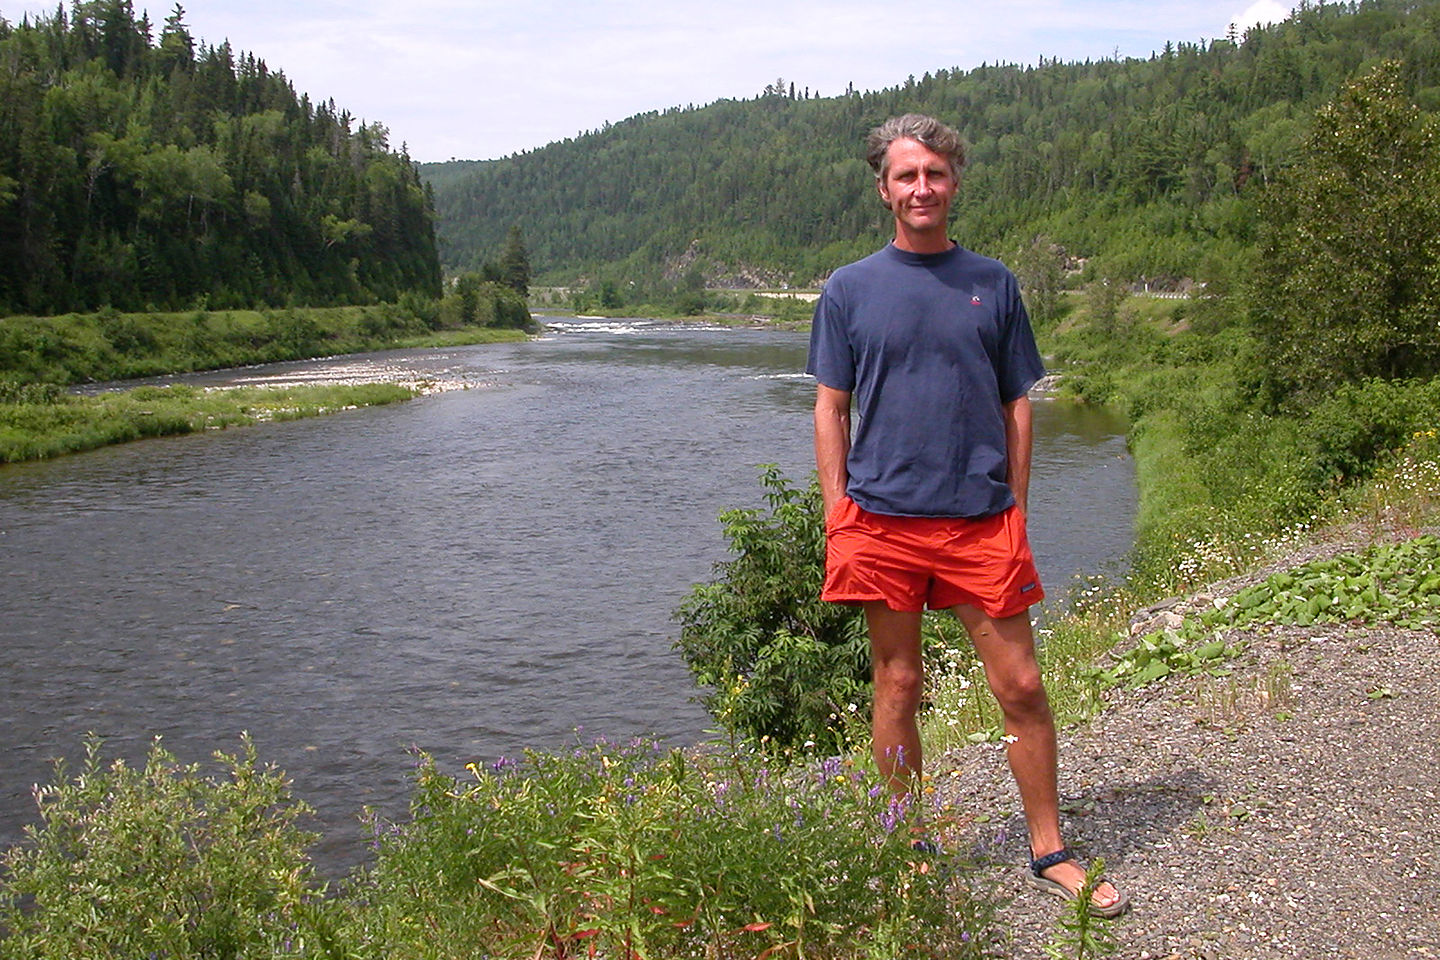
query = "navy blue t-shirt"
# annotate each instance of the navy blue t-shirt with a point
(931, 346)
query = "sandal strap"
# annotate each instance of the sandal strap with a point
(1040, 864)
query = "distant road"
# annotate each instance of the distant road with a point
(808, 297)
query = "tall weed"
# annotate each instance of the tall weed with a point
(632, 851)
(164, 861)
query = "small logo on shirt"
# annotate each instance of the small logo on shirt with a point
(1028, 587)
(975, 301)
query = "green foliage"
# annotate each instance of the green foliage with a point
(1395, 583)
(634, 851)
(1144, 166)
(515, 262)
(782, 667)
(1347, 282)
(173, 171)
(41, 422)
(1040, 267)
(474, 301)
(1083, 935)
(1357, 427)
(110, 345)
(164, 862)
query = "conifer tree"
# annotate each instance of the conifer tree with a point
(515, 262)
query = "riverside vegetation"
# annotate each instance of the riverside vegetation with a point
(39, 355)
(1256, 419)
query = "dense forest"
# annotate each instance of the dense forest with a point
(141, 170)
(1146, 168)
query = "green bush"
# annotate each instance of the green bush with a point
(783, 668)
(1359, 425)
(164, 862)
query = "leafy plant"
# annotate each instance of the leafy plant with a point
(1391, 582)
(782, 667)
(632, 851)
(164, 862)
(1083, 935)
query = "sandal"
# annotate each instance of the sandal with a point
(1039, 865)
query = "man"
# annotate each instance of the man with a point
(925, 503)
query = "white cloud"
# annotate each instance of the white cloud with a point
(1261, 13)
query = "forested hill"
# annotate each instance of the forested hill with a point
(1147, 166)
(141, 170)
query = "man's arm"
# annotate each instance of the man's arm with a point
(1019, 436)
(832, 442)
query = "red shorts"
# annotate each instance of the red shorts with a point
(940, 562)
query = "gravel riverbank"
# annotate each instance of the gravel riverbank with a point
(1290, 810)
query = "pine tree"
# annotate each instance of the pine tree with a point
(515, 262)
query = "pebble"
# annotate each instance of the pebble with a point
(1312, 836)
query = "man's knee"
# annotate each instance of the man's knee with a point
(1020, 691)
(898, 688)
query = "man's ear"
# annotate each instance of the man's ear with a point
(880, 188)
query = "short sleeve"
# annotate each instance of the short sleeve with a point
(832, 359)
(1019, 363)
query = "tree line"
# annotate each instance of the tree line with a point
(1143, 167)
(140, 169)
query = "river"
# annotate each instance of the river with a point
(468, 574)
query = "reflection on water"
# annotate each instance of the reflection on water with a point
(469, 574)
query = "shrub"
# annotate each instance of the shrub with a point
(1358, 426)
(782, 667)
(163, 862)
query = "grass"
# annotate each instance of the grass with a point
(463, 337)
(109, 345)
(38, 420)
(61, 423)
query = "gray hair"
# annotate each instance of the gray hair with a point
(914, 126)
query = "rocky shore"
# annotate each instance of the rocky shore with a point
(1289, 810)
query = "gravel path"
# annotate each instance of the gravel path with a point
(1291, 810)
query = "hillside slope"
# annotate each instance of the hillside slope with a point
(1149, 166)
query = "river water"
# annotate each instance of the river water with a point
(469, 574)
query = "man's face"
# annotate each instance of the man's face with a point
(918, 188)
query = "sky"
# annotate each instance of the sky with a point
(482, 79)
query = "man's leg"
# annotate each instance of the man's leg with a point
(1007, 649)
(899, 677)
